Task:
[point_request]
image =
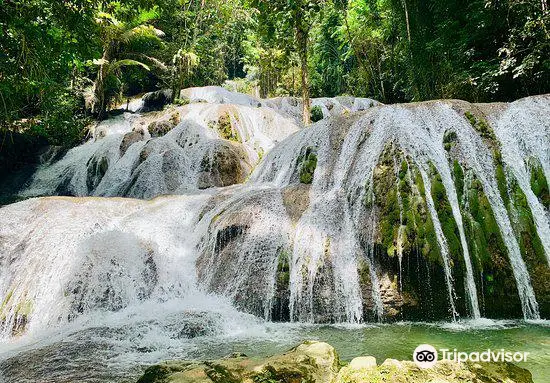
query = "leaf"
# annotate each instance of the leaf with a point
(127, 62)
(99, 62)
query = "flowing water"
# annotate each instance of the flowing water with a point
(120, 350)
(244, 217)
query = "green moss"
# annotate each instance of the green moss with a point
(525, 226)
(404, 168)
(485, 240)
(363, 270)
(501, 177)
(481, 126)
(219, 373)
(307, 163)
(458, 176)
(446, 218)
(539, 185)
(530, 246)
(181, 101)
(283, 269)
(449, 140)
(225, 128)
(4, 305)
(418, 232)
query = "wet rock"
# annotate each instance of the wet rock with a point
(199, 324)
(130, 139)
(228, 165)
(97, 167)
(159, 128)
(156, 100)
(296, 200)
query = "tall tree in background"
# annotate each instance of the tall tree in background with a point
(297, 16)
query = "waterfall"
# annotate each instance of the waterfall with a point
(239, 203)
(523, 131)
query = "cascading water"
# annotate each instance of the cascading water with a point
(524, 135)
(307, 236)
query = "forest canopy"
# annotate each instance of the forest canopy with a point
(64, 63)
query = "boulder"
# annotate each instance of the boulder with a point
(156, 100)
(159, 128)
(318, 362)
(227, 164)
(129, 139)
(393, 371)
(363, 362)
(309, 362)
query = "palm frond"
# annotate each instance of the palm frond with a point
(127, 62)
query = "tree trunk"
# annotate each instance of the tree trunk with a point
(407, 20)
(176, 88)
(100, 105)
(301, 37)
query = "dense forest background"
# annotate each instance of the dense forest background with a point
(64, 63)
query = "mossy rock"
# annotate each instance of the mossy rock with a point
(481, 125)
(393, 371)
(494, 277)
(539, 185)
(308, 363)
(318, 362)
(530, 244)
(225, 128)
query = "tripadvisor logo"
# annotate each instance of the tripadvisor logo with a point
(426, 356)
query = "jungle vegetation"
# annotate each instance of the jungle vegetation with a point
(65, 63)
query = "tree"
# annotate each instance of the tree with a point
(299, 15)
(117, 36)
(183, 64)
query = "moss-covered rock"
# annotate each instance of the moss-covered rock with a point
(159, 128)
(392, 371)
(225, 127)
(530, 245)
(129, 139)
(405, 229)
(309, 362)
(318, 362)
(539, 184)
(480, 124)
(225, 165)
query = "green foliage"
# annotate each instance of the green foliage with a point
(316, 113)
(62, 121)
(391, 50)
(307, 162)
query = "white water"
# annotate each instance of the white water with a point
(67, 260)
(524, 133)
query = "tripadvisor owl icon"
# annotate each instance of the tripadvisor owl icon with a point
(425, 356)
